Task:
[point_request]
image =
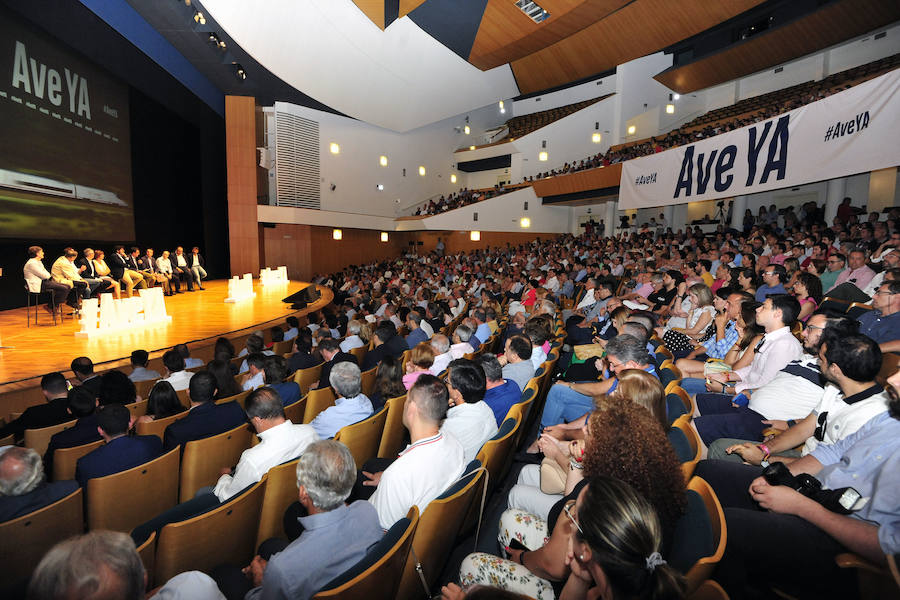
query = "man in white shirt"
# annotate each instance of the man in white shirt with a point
(469, 419)
(256, 376)
(442, 357)
(352, 340)
(293, 328)
(139, 370)
(164, 264)
(281, 441)
(175, 373)
(428, 466)
(461, 345)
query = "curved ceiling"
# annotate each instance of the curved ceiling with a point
(400, 78)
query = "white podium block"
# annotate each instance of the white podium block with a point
(109, 316)
(273, 276)
(240, 288)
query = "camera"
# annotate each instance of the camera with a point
(842, 501)
(720, 203)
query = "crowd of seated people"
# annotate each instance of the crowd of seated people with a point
(75, 276)
(757, 343)
(463, 197)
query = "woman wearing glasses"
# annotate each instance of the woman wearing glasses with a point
(624, 441)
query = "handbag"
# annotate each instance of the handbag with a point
(553, 477)
(716, 365)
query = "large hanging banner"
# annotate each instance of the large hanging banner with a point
(850, 132)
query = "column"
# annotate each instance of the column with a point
(240, 152)
(669, 214)
(834, 193)
(738, 207)
(610, 219)
(679, 217)
(882, 189)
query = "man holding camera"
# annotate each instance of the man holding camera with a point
(839, 497)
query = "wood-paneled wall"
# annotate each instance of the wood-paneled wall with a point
(592, 179)
(240, 147)
(308, 250)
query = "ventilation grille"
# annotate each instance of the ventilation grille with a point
(296, 162)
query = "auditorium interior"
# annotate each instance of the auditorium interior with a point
(407, 299)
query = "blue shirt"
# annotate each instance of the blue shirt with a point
(765, 290)
(345, 411)
(501, 398)
(868, 460)
(649, 368)
(716, 348)
(416, 337)
(879, 328)
(483, 332)
(331, 543)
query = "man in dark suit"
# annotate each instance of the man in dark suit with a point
(83, 367)
(386, 342)
(121, 271)
(303, 357)
(52, 412)
(206, 418)
(85, 266)
(330, 349)
(275, 370)
(150, 270)
(121, 452)
(82, 406)
(23, 487)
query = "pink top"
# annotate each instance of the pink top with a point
(804, 301)
(410, 378)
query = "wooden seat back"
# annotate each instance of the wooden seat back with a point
(392, 436)
(39, 439)
(364, 437)
(281, 492)
(65, 459)
(316, 401)
(305, 378)
(204, 459)
(157, 427)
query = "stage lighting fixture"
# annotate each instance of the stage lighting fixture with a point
(199, 18)
(471, 147)
(380, 187)
(466, 130)
(676, 96)
(239, 72)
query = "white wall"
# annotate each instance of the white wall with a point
(864, 49)
(498, 214)
(637, 92)
(356, 171)
(810, 68)
(577, 93)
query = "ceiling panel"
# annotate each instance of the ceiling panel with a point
(830, 25)
(641, 27)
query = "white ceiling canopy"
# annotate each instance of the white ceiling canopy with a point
(400, 78)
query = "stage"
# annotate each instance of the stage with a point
(198, 318)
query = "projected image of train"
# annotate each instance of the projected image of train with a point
(45, 185)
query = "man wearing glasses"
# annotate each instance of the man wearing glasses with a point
(774, 277)
(882, 323)
(836, 264)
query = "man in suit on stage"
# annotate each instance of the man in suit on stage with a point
(88, 272)
(197, 264)
(150, 271)
(120, 271)
(52, 412)
(120, 452)
(181, 268)
(206, 418)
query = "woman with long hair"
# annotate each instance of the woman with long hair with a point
(103, 272)
(680, 339)
(388, 381)
(746, 280)
(162, 402)
(623, 441)
(226, 386)
(808, 291)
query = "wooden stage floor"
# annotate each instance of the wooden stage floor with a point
(199, 316)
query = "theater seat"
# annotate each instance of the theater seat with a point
(363, 437)
(700, 535)
(392, 435)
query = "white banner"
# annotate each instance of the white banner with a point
(851, 132)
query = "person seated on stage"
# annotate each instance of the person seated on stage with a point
(88, 272)
(116, 388)
(303, 356)
(293, 329)
(162, 402)
(23, 486)
(254, 377)
(189, 363)
(335, 535)
(121, 451)
(83, 368)
(181, 268)
(120, 271)
(280, 441)
(206, 418)
(226, 386)
(197, 264)
(82, 406)
(151, 272)
(65, 272)
(99, 564)
(53, 412)
(175, 373)
(95, 268)
(164, 267)
(330, 351)
(275, 371)
(139, 371)
(133, 260)
(350, 406)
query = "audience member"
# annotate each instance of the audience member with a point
(350, 405)
(82, 405)
(469, 419)
(140, 359)
(205, 418)
(226, 386)
(23, 486)
(331, 353)
(83, 368)
(421, 359)
(52, 412)
(175, 373)
(121, 451)
(500, 394)
(275, 370)
(517, 358)
(388, 382)
(116, 388)
(163, 402)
